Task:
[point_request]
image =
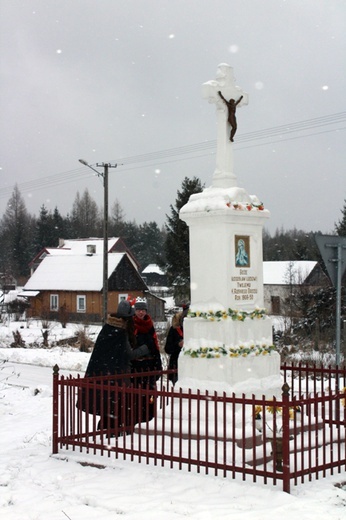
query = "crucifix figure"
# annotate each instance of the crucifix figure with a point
(218, 92)
(231, 105)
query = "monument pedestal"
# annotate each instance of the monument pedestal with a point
(227, 334)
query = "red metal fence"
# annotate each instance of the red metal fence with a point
(297, 437)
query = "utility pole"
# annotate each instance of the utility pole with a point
(104, 175)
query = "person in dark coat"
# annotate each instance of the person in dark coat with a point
(175, 341)
(112, 354)
(146, 335)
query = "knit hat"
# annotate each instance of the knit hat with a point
(124, 310)
(141, 304)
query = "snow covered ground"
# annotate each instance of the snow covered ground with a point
(36, 485)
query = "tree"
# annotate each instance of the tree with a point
(59, 227)
(340, 228)
(85, 216)
(16, 237)
(176, 247)
(43, 230)
(49, 228)
(289, 245)
(317, 311)
(149, 245)
(68, 229)
(130, 235)
(117, 220)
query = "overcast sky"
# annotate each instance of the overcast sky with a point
(120, 81)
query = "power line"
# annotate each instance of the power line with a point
(175, 154)
(259, 134)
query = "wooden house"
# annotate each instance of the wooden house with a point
(66, 282)
(281, 280)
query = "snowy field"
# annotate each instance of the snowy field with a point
(36, 485)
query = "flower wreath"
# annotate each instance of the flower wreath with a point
(232, 352)
(234, 314)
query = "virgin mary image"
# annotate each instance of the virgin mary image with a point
(241, 258)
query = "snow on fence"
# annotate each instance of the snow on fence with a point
(297, 438)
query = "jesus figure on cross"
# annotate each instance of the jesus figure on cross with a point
(231, 105)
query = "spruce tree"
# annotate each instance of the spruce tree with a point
(176, 247)
(49, 228)
(340, 227)
(117, 220)
(43, 230)
(16, 237)
(86, 217)
(59, 227)
(148, 249)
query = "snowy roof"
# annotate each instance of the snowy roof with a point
(152, 268)
(28, 293)
(72, 272)
(10, 296)
(78, 246)
(57, 250)
(284, 273)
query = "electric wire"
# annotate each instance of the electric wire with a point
(176, 154)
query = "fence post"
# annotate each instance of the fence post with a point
(285, 438)
(55, 409)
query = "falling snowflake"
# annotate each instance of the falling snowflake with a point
(259, 85)
(233, 49)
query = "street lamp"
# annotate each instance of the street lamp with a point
(104, 175)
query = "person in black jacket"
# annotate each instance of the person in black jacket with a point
(145, 334)
(175, 341)
(112, 354)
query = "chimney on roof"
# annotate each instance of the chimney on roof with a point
(91, 249)
(61, 242)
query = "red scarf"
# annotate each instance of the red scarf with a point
(179, 331)
(146, 326)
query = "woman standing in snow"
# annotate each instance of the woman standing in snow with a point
(146, 335)
(175, 341)
(112, 354)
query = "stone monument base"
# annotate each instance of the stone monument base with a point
(258, 375)
(229, 352)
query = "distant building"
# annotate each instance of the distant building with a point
(281, 280)
(69, 279)
(154, 276)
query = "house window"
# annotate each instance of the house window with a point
(54, 302)
(122, 297)
(81, 303)
(275, 300)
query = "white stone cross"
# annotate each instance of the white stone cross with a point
(224, 176)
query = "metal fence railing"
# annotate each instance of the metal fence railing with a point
(295, 438)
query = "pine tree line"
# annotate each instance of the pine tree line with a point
(23, 235)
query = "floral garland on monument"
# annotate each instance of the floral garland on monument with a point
(249, 206)
(233, 352)
(235, 315)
